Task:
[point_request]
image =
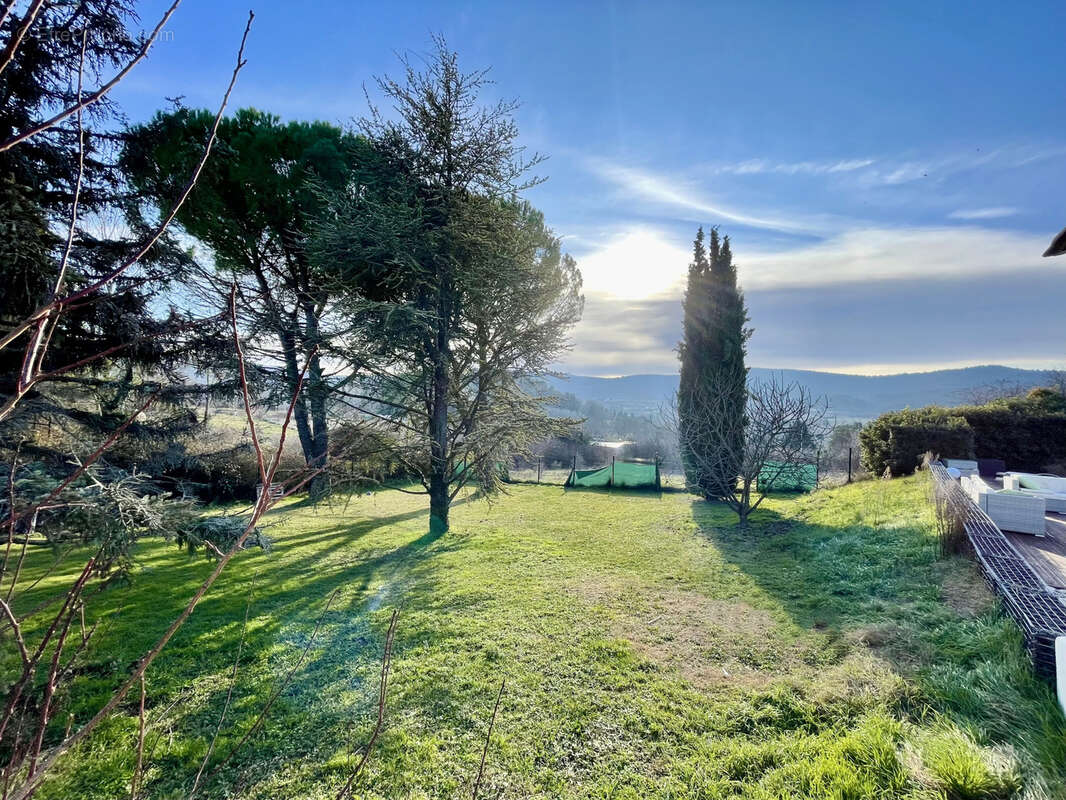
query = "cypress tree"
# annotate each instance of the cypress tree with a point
(712, 359)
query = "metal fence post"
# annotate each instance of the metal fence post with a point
(849, 465)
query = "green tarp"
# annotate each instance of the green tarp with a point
(630, 474)
(778, 477)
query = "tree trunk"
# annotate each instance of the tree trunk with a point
(439, 477)
(438, 456)
(438, 504)
(317, 396)
(299, 409)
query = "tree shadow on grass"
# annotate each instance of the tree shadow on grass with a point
(882, 587)
(334, 683)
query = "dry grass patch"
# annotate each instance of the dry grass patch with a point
(963, 588)
(710, 642)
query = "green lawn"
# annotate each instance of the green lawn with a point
(650, 649)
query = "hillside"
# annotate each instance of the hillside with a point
(850, 396)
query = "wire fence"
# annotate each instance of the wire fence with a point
(1037, 608)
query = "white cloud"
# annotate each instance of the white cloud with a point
(983, 213)
(893, 253)
(680, 194)
(648, 263)
(758, 166)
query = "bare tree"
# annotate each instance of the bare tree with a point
(782, 428)
(1056, 379)
(1003, 389)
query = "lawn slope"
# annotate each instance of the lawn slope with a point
(650, 649)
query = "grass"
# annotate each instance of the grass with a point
(650, 649)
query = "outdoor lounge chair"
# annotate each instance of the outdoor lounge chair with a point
(1050, 487)
(964, 466)
(1010, 510)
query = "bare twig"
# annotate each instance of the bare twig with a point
(278, 690)
(488, 735)
(48, 308)
(383, 686)
(19, 33)
(229, 691)
(88, 100)
(136, 779)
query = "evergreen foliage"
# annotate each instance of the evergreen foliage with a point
(1027, 433)
(131, 319)
(712, 357)
(472, 292)
(253, 208)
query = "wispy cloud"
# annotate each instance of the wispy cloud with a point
(983, 213)
(680, 194)
(761, 166)
(899, 170)
(866, 327)
(893, 254)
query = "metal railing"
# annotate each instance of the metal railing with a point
(1037, 609)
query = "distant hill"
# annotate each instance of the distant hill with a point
(851, 397)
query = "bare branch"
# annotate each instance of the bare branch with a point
(383, 685)
(83, 102)
(488, 736)
(49, 307)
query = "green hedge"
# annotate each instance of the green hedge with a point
(897, 440)
(1028, 433)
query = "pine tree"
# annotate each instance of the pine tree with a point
(712, 358)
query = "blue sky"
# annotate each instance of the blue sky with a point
(889, 176)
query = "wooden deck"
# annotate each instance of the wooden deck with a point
(1046, 555)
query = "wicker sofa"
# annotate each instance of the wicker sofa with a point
(1048, 487)
(1010, 510)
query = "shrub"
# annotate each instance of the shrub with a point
(1027, 433)
(897, 440)
(230, 474)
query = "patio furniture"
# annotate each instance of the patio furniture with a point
(964, 466)
(1049, 487)
(991, 467)
(1010, 510)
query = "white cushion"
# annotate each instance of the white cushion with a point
(1060, 668)
(1047, 483)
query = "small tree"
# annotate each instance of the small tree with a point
(781, 427)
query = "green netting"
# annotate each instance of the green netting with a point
(778, 477)
(591, 477)
(629, 474)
